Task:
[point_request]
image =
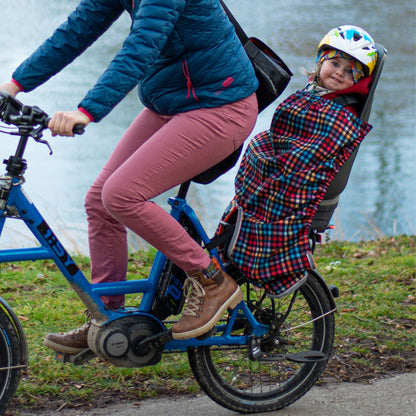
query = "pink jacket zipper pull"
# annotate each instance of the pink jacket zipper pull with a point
(185, 70)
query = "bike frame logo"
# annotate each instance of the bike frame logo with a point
(57, 248)
(174, 290)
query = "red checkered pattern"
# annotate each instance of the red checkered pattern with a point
(282, 178)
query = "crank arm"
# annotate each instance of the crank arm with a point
(155, 341)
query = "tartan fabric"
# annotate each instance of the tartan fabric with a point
(282, 178)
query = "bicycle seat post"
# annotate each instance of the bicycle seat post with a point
(183, 190)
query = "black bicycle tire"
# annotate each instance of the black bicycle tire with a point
(221, 391)
(10, 360)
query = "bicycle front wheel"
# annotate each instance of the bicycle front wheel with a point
(296, 352)
(10, 359)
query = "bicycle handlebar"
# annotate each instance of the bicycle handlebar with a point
(12, 111)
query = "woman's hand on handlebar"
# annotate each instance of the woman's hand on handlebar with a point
(63, 122)
(11, 88)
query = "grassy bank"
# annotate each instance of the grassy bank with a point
(375, 332)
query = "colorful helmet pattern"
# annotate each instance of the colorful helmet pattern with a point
(355, 42)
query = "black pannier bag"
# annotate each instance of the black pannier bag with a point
(272, 73)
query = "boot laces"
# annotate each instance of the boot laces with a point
(83, 327)
(193, 292)
(77, 331)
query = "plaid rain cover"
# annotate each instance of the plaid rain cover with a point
(282, 178)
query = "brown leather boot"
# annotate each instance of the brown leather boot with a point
(210, 293)
(71, 342)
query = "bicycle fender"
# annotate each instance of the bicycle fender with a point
(325, 287)
(5, 307)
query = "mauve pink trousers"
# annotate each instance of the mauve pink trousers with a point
(155, 154)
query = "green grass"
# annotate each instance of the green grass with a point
(375, 324)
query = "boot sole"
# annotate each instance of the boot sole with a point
(62, 348)
(231, 302)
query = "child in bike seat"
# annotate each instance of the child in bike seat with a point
(286, 170)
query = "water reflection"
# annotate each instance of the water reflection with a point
(381, 194)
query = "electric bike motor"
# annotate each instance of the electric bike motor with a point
(118, 341)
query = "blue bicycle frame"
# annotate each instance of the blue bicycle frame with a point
(138, 336)
(50, 247)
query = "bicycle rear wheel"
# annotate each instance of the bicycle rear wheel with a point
(10, 359)
(301, 325)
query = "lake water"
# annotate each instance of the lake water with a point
(381, 195)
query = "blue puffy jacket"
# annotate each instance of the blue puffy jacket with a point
(182, 54)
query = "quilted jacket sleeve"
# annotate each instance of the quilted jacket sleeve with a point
(84, 26)
(153, 22)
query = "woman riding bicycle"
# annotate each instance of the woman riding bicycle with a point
(198, 87)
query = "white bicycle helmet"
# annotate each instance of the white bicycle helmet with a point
(355, 42)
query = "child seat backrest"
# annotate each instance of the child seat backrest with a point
(327, 206)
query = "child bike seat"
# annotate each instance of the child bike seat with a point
(320, 222)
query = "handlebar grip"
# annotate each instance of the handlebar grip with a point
(79, 129)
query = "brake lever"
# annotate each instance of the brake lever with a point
(78, 129)
(37, 135)
(45, 142)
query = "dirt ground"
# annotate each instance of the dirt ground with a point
(390, 396)
(344, 369)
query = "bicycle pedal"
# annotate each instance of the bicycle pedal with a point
(75, 359)
(306, 357)
(301, 357)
